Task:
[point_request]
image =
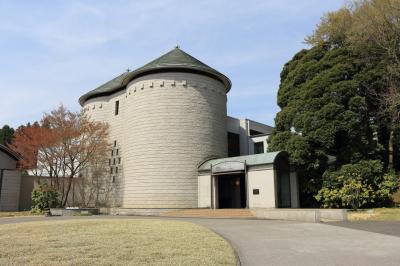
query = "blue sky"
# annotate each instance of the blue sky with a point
(52, 52)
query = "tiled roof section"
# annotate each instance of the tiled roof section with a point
(174, 60)
(254, 159)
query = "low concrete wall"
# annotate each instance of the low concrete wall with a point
(29, 183)
(327, 215)
(303, 215)
(73, 212)
(140, 212)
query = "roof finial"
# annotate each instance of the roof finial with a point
(177, 46)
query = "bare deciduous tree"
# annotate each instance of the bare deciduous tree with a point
(96, 188)
(62, 147)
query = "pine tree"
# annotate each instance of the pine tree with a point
(6, 135)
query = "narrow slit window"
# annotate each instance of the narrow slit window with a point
(116, 107)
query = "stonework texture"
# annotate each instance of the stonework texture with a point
(167, 124)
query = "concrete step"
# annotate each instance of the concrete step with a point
(210, 213)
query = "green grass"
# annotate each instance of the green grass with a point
(379, 214)
(112, 242)
(14, 214)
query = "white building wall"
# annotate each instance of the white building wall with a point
(262, 177)
(176, 121)
(167, 124)
(204, 191)
(254, 140)
(103, 109)
(233, 125)
(264, 181)
(244, 132)
(243, 127)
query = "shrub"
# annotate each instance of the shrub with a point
(44, 197)
(363, 184)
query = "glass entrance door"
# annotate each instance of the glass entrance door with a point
(231, 191)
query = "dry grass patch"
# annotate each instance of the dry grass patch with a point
(112, 242)
(380, 214)
(14, 214)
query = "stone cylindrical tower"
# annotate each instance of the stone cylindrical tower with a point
(174, 117)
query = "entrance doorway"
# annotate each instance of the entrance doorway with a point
(231, 191)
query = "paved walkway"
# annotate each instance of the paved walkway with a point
(267, 242)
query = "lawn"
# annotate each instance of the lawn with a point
(380, 214)
(13, 214)
(112, 242)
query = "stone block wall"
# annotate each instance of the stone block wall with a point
(167, 124)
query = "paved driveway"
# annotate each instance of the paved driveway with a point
(263, 242)
(267, 242)
(382, 227)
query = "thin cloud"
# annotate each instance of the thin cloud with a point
(54, 51)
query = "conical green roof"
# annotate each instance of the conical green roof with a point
(109, 87)
(175, 60)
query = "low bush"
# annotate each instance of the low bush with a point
(44, 197)
(363, 184)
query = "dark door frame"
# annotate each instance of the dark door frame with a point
(215, 184)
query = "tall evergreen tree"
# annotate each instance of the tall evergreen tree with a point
(334, 99)
(325, 112)
(6, 135)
